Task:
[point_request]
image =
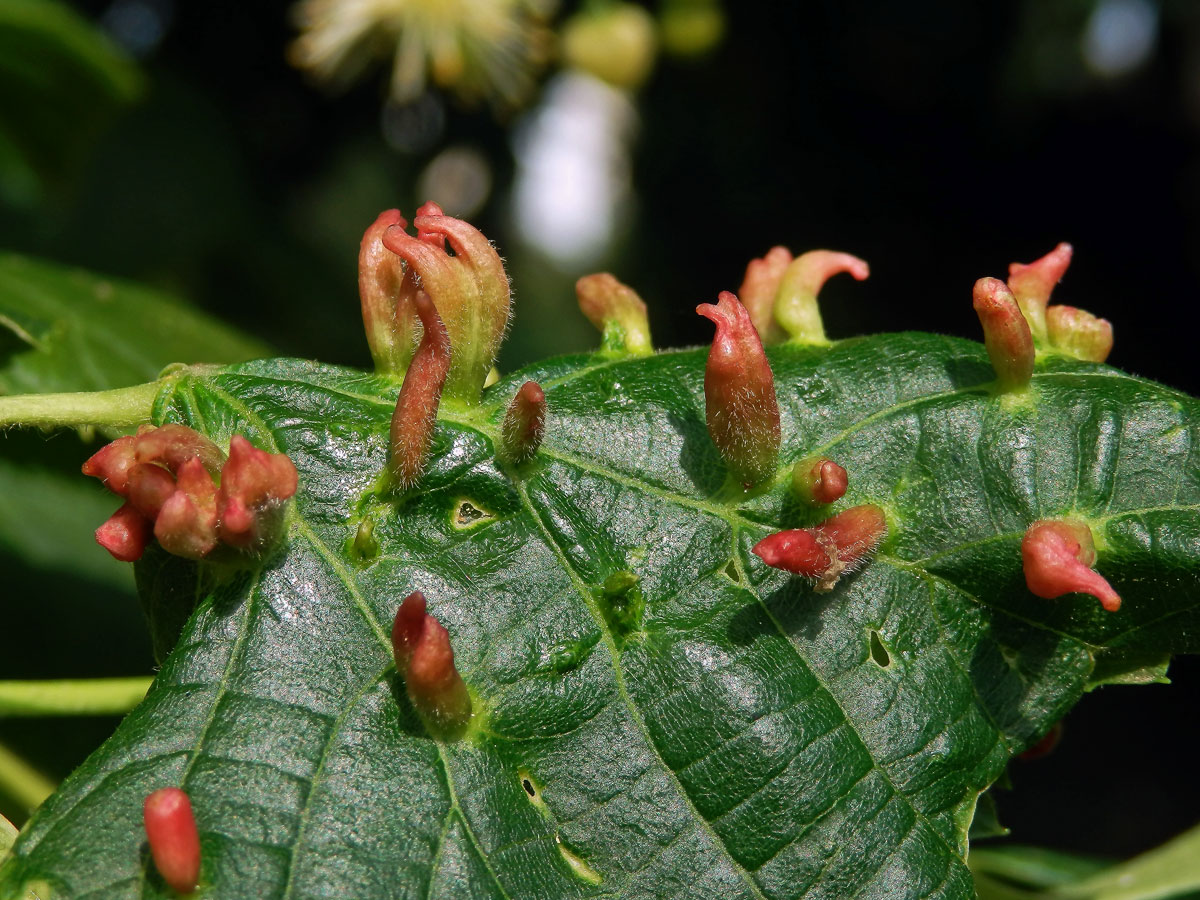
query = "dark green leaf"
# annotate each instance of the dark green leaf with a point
(62, 329)
(713, 728)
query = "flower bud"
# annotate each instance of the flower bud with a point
(739, 393)
(1032, 284)
(617, 312)
(187, 523)
(424, 658)
(255, 486)
(415, 417)
(1057, 557)
(1078, 332)
(470, 290)
(112, 462)
(524, 424)
(125, 534)
(386, 290)
(1005, 334)
(758, 290)
(827, 551)
(796, 307)
(173, 839)
(819, 481)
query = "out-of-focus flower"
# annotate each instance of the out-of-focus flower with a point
(477, 48)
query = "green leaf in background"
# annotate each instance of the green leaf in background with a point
(62, 82)
(739, 737)
(62, 329)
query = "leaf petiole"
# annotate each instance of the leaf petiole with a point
(72, 697)
(116, 408)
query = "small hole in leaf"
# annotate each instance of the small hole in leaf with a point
(528, 785)
(879, 653)
(467, 514)
(732, 573)
(531, 789)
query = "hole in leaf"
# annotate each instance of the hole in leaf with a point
(732, 573)
(530, 786)
(879, 653)
(467, 514)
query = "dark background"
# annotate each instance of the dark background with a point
(937, 139)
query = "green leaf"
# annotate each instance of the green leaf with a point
(62, 82)
(707, 728)
(62, 329)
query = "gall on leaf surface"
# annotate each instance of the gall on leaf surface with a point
(739, 740)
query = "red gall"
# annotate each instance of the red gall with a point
(425, 659)
(739, 393)
(819, 481)
(415, 417)
(1032, 283)
(125, 534)
(255, 485)
(173, 839)
(1057, 557)
(524, 424)
(1006, 334)
(826, 551)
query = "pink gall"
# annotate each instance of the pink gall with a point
(125, 534)
(187, 523)
(758, 290)
(829, 550)
(1032, 283)
(470, 290)
(386, 292)
(173, 445)
(173, 839)
(254, 487)
(524, 424)
(1057, 556)
(1006, 334)
(739, 393)
(112, 462)
(796, 308)
(415, 417)
(424, 657)
(1079, 333)
(617, 312)
(819, 481)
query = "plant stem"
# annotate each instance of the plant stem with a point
(119, 407)
(75, 697)
(21, 781)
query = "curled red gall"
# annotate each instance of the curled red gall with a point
(796, 308)
(524, 424)
(173, 839)
(425, 659)
(739, 393)
(1057, 557)
(819, 481)
(829, 550)
(415, 417)
(758, 290)
(1006, 334)
(1033, 283)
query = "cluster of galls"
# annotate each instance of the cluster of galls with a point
(169, 478)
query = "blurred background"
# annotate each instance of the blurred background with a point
(231, 154)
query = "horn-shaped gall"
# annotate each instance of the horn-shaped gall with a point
(758, 290)
(1032, 283)
(255, 486)
(173, 838)
(827, 551)
(424, 657)
(470, 290)
(125, 534)
(112, 462)
(819, 481)
(796, 308)
(1057, 557)
(187, 523)
(617, 312)
(1078, 332)
(739, 393)
(524, 424)
(386, 290)
(1006, 334)
(415, 417)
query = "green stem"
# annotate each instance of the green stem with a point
(120, 407)
(23, 783)
(74, 697)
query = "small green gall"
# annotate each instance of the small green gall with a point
(1079, 333)
(739, 393)
(1006, 334)
(796, 309)
(819, 481)
(524, 424)
(1057, 557)
(415, 417)
(617, 312)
